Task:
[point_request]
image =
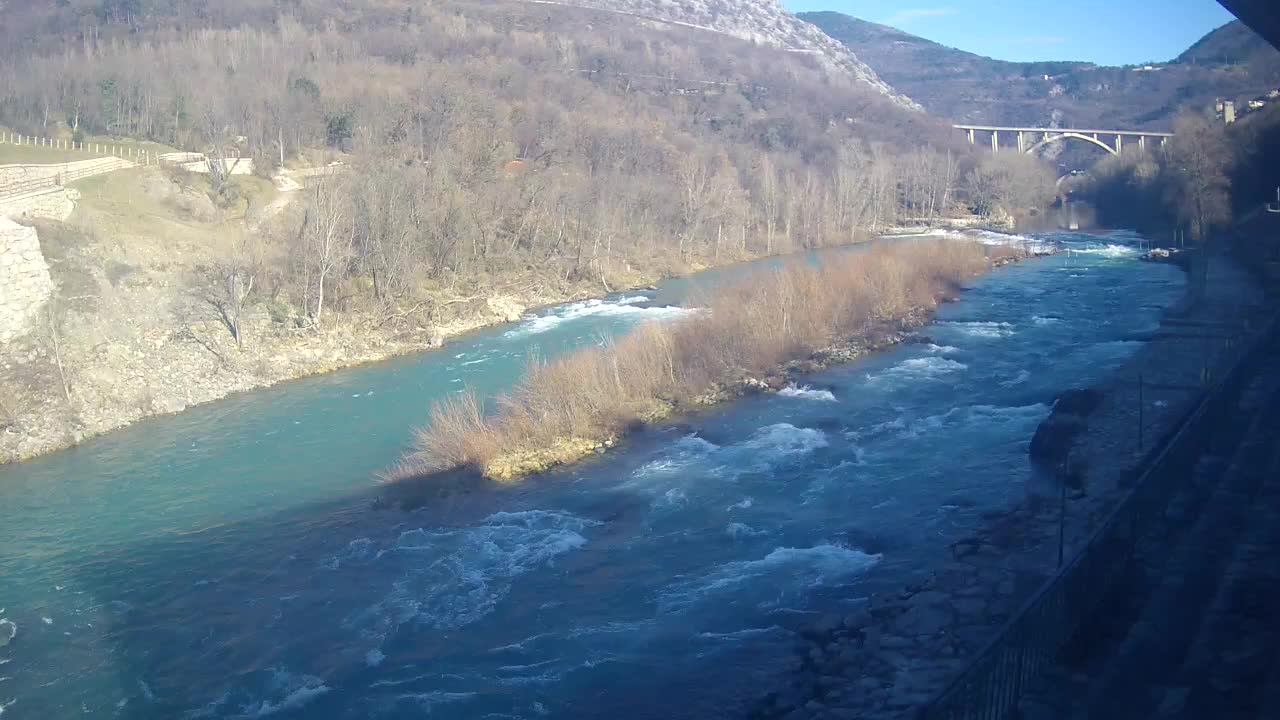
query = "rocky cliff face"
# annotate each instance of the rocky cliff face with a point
(25, 285)
(761, 21)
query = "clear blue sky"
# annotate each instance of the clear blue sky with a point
(1107, 32)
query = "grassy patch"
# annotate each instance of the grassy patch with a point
(153, 217)
(32, 155)
(563, 410)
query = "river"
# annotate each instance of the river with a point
(236, 560)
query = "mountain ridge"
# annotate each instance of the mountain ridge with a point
(765, 22)
(1230, 62)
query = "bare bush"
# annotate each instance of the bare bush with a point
(562, 408)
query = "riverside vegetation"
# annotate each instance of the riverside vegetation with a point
(790, 320)
(493, 156)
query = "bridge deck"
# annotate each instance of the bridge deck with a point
(1126, 133)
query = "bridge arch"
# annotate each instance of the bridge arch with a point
(1074, 136)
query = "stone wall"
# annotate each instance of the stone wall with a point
(55, 203)
(19, 173)
(25, 284)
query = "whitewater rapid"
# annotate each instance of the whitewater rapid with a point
(235, 561)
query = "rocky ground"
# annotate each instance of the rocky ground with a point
(904, 648)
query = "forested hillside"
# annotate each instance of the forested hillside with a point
(482, 157)
(1232, 62)
(670, 134)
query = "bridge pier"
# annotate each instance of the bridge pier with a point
(1031, 139)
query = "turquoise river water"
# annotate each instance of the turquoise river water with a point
(239, 560)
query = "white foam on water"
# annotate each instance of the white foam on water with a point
(987, 237)
(358, 552)
(915, 369)
(1045, 320)
(416, 678)
(807, 393)
(683, 453)
(740, 530)
(8, 631)
(1022, 377)
(744, 634)
(1022, 242)
(742, 504)
(520, 646)
(146, 691)
(673, 498)
(6, 705)
(616, 627)
(941, 349)
(574, 311)
(987, 417)
(294, 691)
(47, 620)
(456, 576)
(833, 477)
(430, 699)
(981, 328)
(787, 568)
(527, 667)
(782, 441)
(374, 657)
(1108, 251)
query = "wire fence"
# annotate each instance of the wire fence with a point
(989, 689)
(135, 153)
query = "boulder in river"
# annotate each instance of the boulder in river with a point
(1052, 442)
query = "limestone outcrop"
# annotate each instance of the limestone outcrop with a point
(25, 284)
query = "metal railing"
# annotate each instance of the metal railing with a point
(990, 687)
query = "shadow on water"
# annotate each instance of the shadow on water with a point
(222, 619)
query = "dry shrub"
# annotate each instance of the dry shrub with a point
(563, 408)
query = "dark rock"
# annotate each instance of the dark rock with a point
(1078, 402)
(1053, 439)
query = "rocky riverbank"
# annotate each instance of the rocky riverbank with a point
(903, 648)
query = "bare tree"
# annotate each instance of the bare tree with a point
(233, 286)
(326, 241)
(53, 332)
(1199, 157)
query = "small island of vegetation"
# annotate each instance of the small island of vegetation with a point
(752, 335)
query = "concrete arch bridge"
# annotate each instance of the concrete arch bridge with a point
(1030, 139)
